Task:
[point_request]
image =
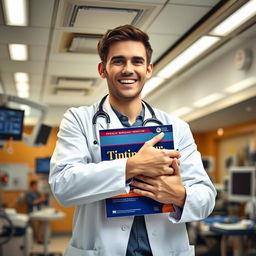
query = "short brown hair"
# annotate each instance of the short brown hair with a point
(123, 33)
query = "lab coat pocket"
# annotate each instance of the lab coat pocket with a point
(73, 251)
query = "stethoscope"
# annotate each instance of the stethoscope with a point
(101, 113)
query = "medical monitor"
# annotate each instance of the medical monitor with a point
(242, 183)
(43, 165)
(11, 123)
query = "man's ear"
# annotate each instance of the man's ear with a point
(149, 71)
(102, 70)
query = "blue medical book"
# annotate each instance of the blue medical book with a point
(124, 143)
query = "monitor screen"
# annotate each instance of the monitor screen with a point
(43, 165)
(242, 183)
(11, 123)
(43, 134)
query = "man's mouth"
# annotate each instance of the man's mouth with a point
(127, 81)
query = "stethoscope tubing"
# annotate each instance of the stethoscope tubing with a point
(101, 113)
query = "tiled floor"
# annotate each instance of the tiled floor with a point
(58, 243)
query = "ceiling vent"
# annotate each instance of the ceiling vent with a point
(84, 43)
(100, 17)
(74, 86)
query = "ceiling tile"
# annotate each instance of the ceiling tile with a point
(195, 2)
(37, 53)
(160, 43)
(169, 22)
(25, 35)
(4, 52)
(22, 66)
(72, 69)
(41, 13)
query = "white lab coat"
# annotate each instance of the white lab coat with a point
(79, 178)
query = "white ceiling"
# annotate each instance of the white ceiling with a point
(165, 22)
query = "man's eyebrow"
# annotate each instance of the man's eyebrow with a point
(138, 58)
(117, 57)
(122, 57)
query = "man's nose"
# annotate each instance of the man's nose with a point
(128, 68)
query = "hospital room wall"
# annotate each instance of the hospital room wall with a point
(22, 153)
(209, 143)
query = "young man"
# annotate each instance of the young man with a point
(78, 176)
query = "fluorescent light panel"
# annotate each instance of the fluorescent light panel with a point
(151, 85)
(208, 99)
(236, 19)
(21, 77)
(16, 12)
(192, 52)
(18, 52)
(22, 86)
(248, 82)
(181, 111)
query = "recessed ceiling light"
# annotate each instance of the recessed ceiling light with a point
(18, 52)
(208, 99)
(16, 12)
(181, 111)
(21, 77)
(248, 82)
(220, 131)
(151, 85)
(236, 19)
(22, 86)
(187, 56)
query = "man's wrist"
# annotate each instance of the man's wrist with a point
(131, 168)
(182, 197)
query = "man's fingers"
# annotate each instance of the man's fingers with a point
(155, 139)
(175, 166)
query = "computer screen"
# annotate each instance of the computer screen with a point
(43, 165)
(11, 123)
(242, 183)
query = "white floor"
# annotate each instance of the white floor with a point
(58, 243)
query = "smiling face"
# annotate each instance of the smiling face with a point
(126, 70)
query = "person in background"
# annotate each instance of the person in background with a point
(35, 201)
(79, 177)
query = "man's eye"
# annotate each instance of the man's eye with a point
(138, 62)
(118, 62)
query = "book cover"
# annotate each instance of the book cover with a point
(125, 143)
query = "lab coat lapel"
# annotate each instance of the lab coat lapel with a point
(114, 121)
(147, 115)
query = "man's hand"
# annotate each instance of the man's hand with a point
(164, 189)
(150, 161)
